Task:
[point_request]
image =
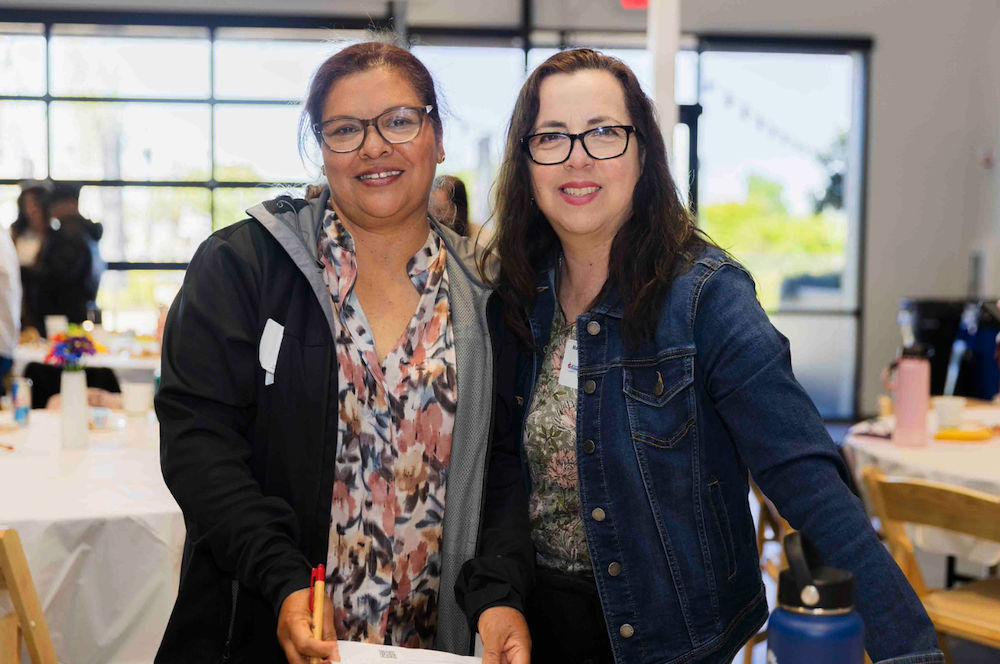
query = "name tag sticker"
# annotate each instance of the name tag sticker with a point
(270, 345)
(569, 373)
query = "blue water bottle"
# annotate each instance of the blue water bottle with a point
(815, 622)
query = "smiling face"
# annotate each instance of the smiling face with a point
(584, 196)
(381, 184)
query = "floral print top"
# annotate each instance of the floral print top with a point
(393, 449)
(550, 444)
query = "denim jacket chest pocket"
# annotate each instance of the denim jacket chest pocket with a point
(659, 397)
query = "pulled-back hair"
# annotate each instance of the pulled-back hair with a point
(357, 58)
(648, 250)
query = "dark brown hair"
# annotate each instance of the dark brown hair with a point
(649, 248)
(454, 188)
(22, 224)
(359, 58)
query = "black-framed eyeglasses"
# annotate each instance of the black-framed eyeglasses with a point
(551, 148)
(397, 125)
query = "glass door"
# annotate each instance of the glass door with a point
(780, 170)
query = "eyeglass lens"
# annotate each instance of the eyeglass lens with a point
(600, 143)
(396, 126)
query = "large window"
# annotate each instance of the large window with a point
(173, 131)
(781, 172)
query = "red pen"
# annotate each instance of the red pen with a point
(317, 589)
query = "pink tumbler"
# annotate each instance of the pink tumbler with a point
(912, 395)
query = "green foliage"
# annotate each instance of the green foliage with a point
(771, 242)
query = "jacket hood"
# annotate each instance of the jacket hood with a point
(296, 224)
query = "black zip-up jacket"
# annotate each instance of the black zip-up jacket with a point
(251, 464)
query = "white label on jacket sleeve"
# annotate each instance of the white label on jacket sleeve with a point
(569, 373)
(270, 344)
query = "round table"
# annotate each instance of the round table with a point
(102, 535)
(129, 368)
(966, 464)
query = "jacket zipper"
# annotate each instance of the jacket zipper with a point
(232, 622)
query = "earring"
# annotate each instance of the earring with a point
(322, 169)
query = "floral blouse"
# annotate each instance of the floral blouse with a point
(393, 449)
(550, 444)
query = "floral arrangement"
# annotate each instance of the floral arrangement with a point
(68, 349)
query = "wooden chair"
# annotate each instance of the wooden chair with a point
(972, 611)
(27, 621)
(770, 528)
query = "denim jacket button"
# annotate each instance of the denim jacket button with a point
(626, 631)
(614, 569)
(589, 446)
(593, 328)
(598, 514)
(590, 387)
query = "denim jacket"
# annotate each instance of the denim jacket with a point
(666, 435)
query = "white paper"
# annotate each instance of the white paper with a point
(364, 653)
(569, 373)
(270, 344)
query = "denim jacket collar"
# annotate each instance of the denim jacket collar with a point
(547, 299)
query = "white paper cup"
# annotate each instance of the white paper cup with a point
(949, 411)
(137, 398)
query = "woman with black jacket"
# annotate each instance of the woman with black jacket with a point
(326, 394)
(639, 382)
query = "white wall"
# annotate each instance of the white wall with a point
(930, 115)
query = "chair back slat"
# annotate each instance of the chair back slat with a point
(949, 507)
(18, 583)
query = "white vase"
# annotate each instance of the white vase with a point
(75, 412)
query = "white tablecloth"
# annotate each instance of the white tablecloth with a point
(973, 465)
(102, 535)
(129, 368)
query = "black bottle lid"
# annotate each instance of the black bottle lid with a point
(808, 587)
(917, 350)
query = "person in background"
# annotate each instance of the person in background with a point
(30, 231)
(450, 203)
(10, 305)
(362, 444)
(69, 264)
(640, 383)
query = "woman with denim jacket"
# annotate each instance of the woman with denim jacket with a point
(638, 384)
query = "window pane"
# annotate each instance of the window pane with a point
(23, 141)
(258, 69)
(638, 61)
(22, 64)
(479, 86)
(8, 205)
(110, 66)
(130, 141)
(823, 354)
(774, 156)
(258, 144)
(686, 77)
(231, 204)
(149, 224)
(130, 300)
